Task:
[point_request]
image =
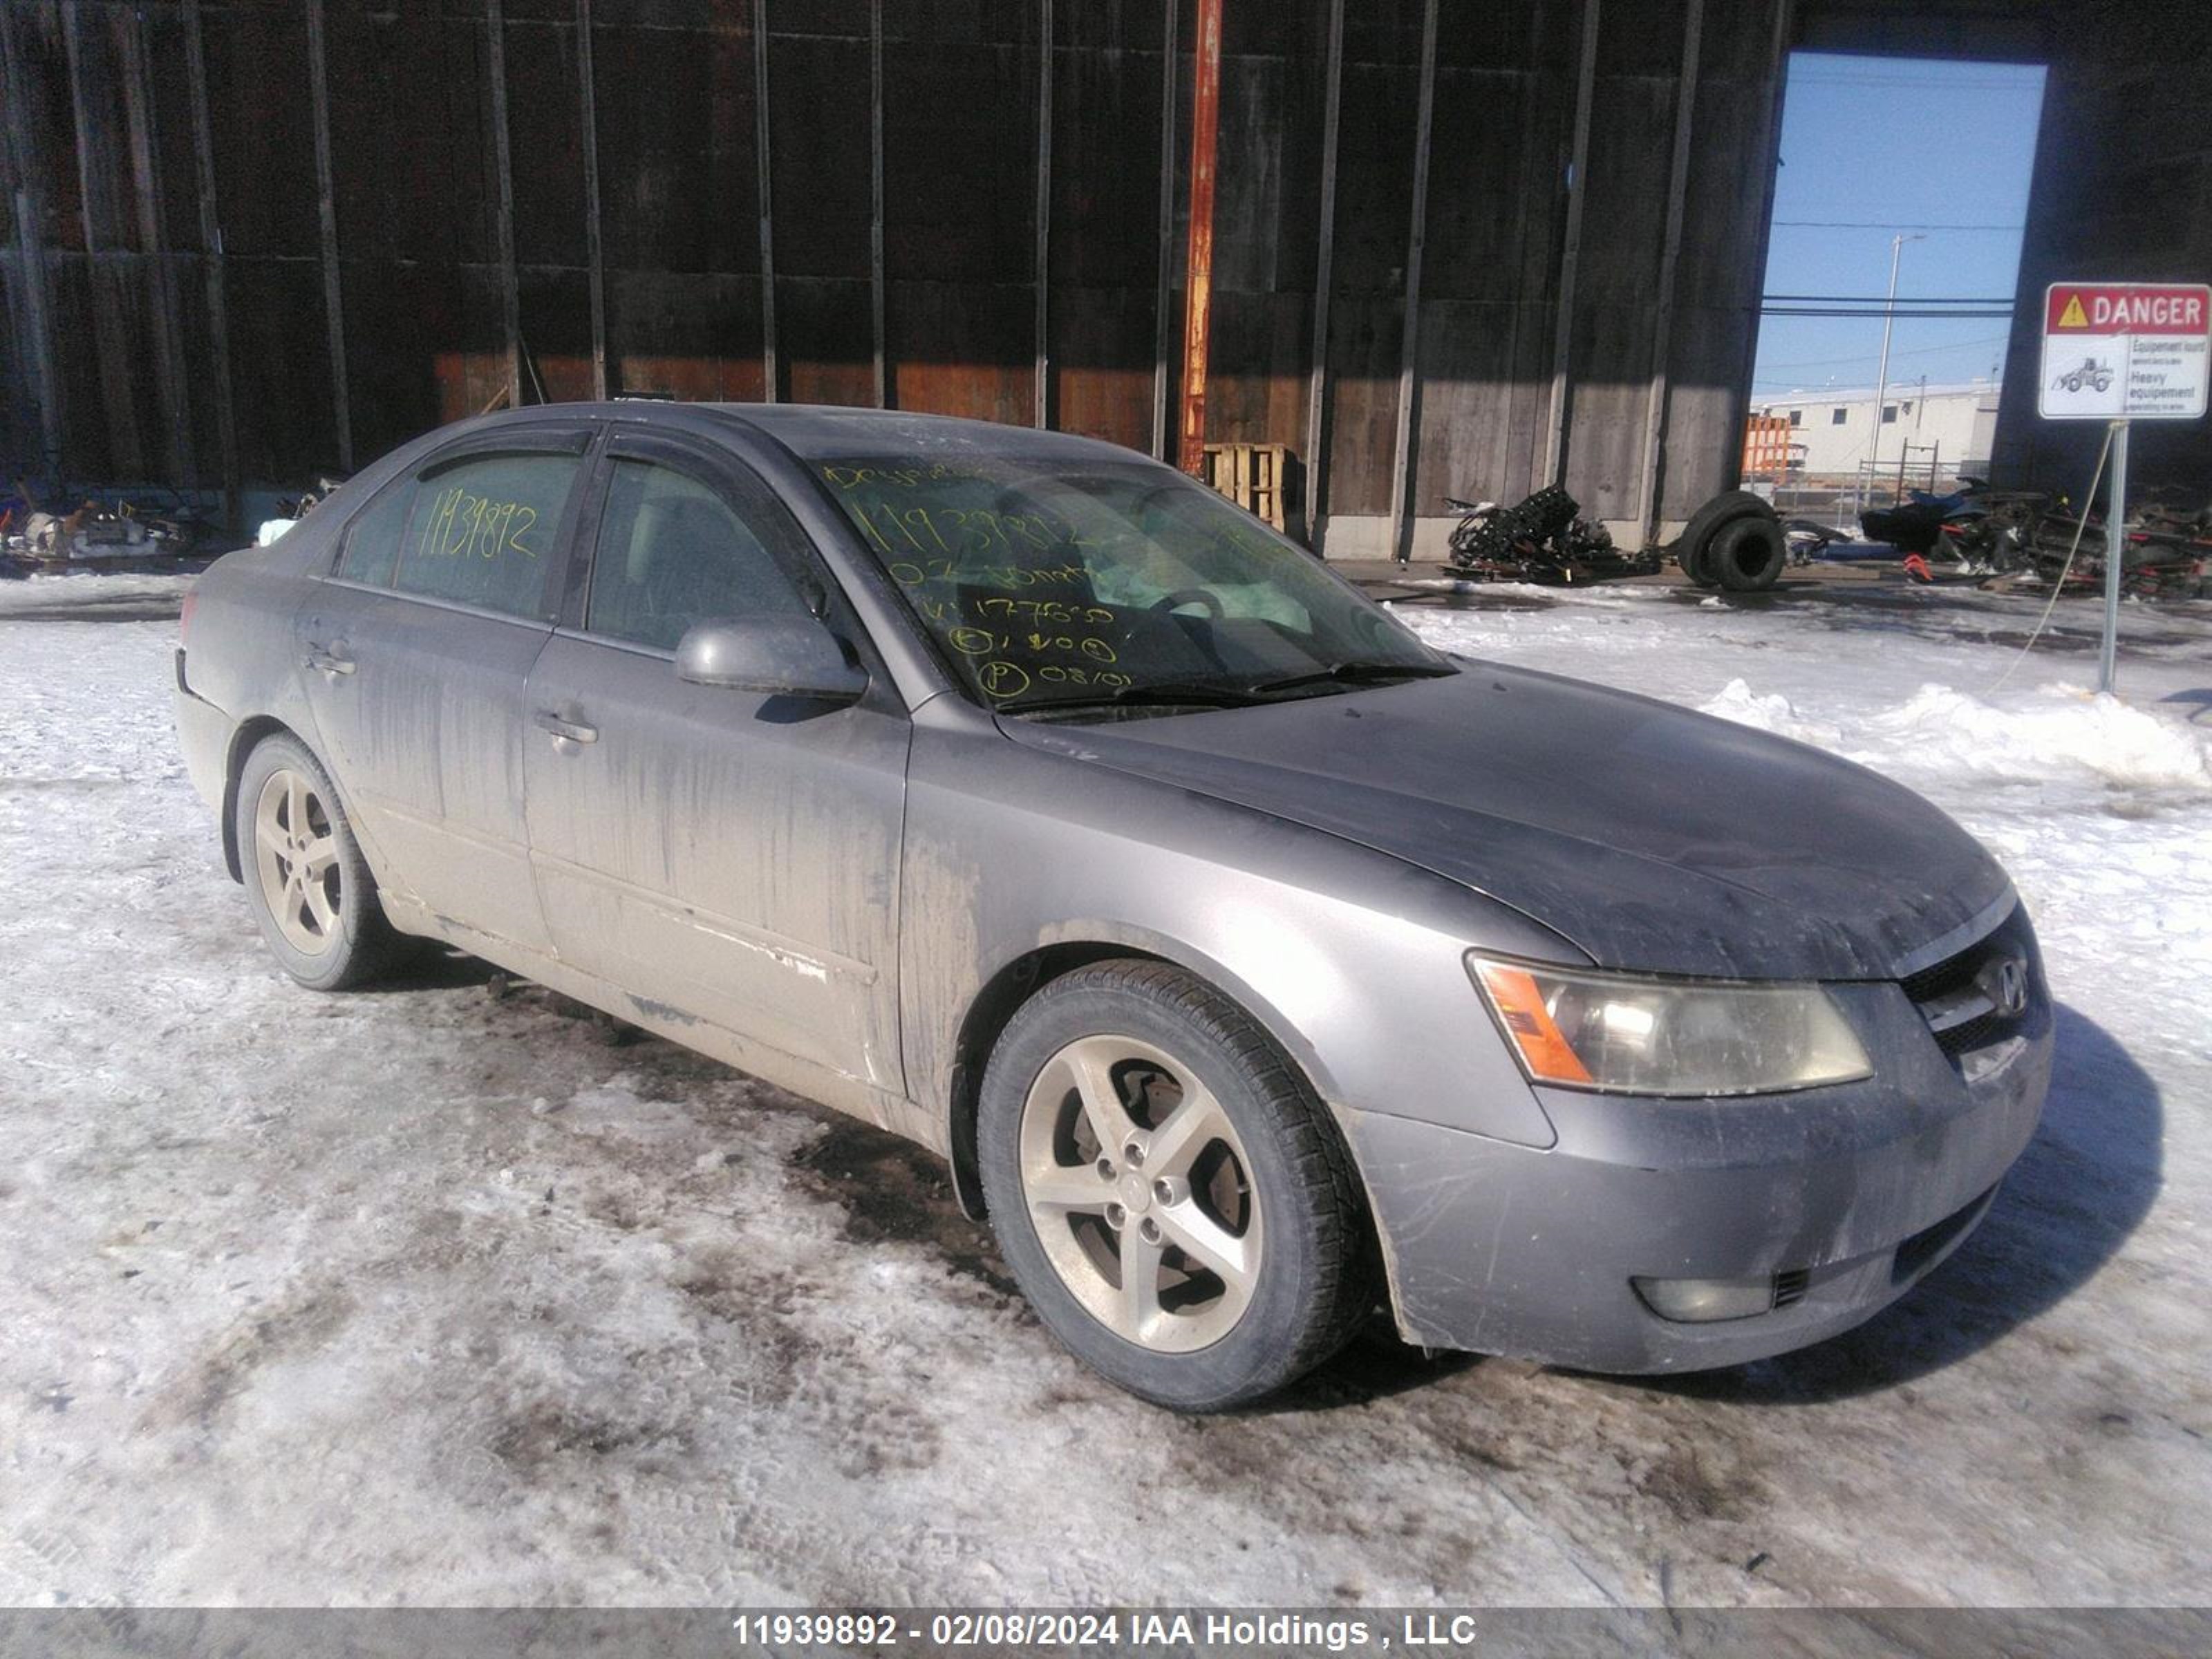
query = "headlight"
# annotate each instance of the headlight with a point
(1583, 1029)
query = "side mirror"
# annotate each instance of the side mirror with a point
(775, 656)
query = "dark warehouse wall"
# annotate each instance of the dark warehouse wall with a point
(248, 240)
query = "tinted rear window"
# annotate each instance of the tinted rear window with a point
(482, 532)
(373, 540)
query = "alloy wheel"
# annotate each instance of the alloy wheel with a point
(295, 856)
(1141, 1193)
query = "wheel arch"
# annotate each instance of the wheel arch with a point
(1004, 992)
(244, 741)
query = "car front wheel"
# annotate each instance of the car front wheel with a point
(1169, 1195)
(305, 880)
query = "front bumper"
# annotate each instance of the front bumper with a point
(1853, 1192)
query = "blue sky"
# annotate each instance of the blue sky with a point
(1874, 146)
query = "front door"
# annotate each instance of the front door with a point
(414, 654)
(717, 854)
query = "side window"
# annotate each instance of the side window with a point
(672, 552)
(372, 542)
(482, 532)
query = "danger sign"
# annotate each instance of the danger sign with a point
(2126, 350)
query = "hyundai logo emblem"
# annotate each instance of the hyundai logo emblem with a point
(2006, 982)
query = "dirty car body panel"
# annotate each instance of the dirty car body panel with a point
(850, 900)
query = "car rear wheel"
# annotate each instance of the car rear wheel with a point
(305, 880)
(1169, 1195)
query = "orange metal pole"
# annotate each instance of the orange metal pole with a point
(1198, 281)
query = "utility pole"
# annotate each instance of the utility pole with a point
(1197, 261)
(1888, 318)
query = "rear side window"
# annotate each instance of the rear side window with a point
(481, 533)
(672, 552)
(371, 542)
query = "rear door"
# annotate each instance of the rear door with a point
(718, 854)
(415, 653)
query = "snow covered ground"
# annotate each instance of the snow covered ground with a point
(435, 1295)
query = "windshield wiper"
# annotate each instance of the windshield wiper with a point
(1357, 674)
(1167, 692)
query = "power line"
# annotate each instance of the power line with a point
(1946, 82)
(1877, 224)
(1860, 356)
(1864, 310)
(1907, 299)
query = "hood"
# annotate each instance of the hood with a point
(1654, 838)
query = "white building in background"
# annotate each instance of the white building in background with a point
(1834, 433)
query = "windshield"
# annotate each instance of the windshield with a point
(1109, 584)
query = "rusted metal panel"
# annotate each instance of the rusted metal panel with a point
(212, 259)
(1256, 389)
(1500, 130)
(912, 229)
(694, 335)
(1101, 322)
(1041, 266)
(594, 246)
(1198, 258)
(282, 371)
(960, 349)
(680, 180)
(503, 182)
(327, 207)
(827, 339)
(1366, 303)
(547, 139)
(27, 205)
(1555, 438)
(146, 180)
(959, 206)
(88, 447)
(1614, 311)
(1365, 336)
(95, 73)
(1401, 443)
(819, 145)
(1678, 178)
(558, 359)
(1315, 444)
(881, 376)
(1163, 314)
(763, 160)
(455, 313)
(1103, 363)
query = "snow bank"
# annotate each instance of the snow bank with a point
(2066, 733)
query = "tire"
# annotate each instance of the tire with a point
(1694, 550)
(324, 927)
(1748, 553)
(1692, 561)
(1258, 1183)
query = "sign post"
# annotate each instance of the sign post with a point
(2122, 352)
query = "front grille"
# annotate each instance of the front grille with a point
(1789, 1287)
(1960, 997)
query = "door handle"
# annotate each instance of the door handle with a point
(329, 661)
(573, 730)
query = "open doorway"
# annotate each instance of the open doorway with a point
(1900, 201)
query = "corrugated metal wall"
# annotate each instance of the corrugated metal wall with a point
(246, 239)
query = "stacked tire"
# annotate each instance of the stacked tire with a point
(1734, 541)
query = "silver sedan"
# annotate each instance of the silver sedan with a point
(1250, 962)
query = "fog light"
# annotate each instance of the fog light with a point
(1703, 1300)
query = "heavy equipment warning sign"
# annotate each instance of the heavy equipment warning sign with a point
(2139, 351)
